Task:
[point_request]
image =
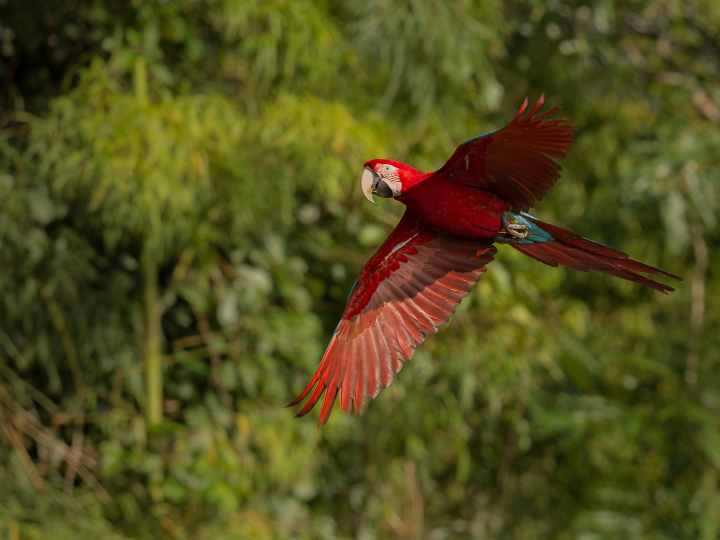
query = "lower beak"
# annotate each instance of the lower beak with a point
(368, 181)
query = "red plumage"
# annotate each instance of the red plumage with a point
(426, 272)
(514, 162)
(441, 246)
(574, 251)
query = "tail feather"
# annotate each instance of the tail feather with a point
(574, 251)
(573, 239)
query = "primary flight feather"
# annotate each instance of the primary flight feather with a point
(441, 246)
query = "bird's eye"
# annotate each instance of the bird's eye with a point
(388, 168)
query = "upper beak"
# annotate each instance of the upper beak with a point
(368, 181)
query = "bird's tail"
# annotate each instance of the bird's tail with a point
(553, 245)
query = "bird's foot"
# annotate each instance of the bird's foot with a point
(517, 231)
(511, 232)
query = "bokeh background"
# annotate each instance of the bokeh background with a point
(181, 223)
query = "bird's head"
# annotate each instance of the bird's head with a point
(386, 178)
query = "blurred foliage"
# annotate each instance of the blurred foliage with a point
(180, 224)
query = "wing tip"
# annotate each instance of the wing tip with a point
(540, 101)
(521, 110)
(298, 399)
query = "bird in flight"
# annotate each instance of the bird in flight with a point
(441, 246)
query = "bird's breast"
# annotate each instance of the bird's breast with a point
(462, 209)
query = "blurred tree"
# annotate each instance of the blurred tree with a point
(181, 223)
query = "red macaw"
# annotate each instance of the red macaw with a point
(442, 244)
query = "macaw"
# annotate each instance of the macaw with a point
(441, 246)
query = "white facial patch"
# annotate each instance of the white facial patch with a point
(391, 177)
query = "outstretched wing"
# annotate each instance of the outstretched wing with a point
(514, 162)
(407, 289)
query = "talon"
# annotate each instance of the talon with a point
(513, 230)
(517, 231)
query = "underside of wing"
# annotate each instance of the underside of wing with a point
(408, 289)
(516, 162)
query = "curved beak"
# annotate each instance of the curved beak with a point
(368, 181)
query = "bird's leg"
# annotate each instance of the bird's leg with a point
(511, 232)
(516, 230)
